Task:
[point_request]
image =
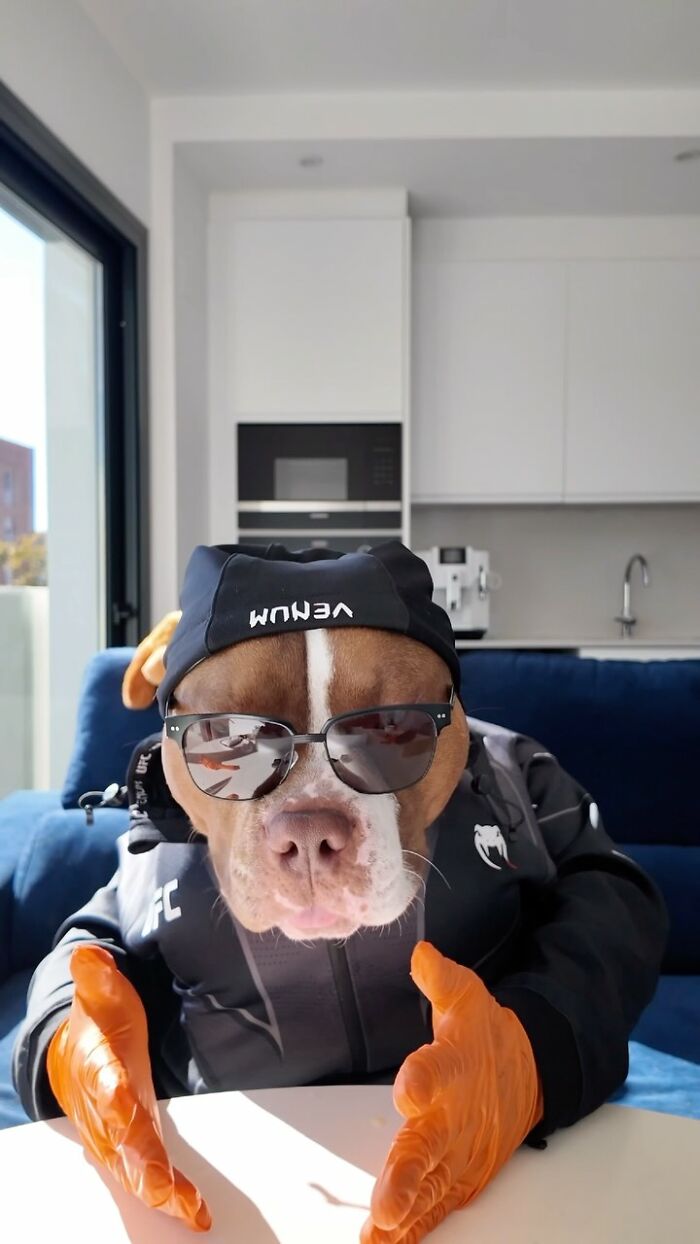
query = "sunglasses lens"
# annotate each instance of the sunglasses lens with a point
(237, 757)
(383, 750)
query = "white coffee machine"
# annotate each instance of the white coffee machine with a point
(463, 582)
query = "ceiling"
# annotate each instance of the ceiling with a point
(637, 176)
(180, 47)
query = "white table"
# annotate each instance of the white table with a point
(297, 1166)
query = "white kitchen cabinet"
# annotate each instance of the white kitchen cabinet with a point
(633, 381)
(314, 313)
(488, 381)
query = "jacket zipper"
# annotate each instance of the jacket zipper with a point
(348, 1007)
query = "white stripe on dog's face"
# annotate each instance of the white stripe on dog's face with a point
(390, 887)
(319, 672)
(381, 847)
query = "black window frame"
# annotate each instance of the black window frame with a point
(39, 169)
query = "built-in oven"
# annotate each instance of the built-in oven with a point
(331, 485)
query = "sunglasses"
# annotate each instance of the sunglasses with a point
(374, 750)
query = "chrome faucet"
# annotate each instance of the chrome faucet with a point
(627, 619)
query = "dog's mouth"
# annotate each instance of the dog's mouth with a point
(341, 914)
(317, 921)
(315, 917)
(319, 915)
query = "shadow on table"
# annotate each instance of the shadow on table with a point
(364, 1139)
(234, 1215)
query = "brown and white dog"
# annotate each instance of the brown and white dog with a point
(315, 858)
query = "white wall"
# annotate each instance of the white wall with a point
(191, 367)
(57, 63)
(562, 567)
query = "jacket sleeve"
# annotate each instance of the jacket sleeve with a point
(51, 991)
(589, 957)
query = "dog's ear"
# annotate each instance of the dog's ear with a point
(146, 668)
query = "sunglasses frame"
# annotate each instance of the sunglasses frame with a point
(176, 726)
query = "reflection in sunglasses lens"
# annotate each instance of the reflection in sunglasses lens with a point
(382, 751)
(237, 757)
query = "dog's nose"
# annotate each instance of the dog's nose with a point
(308, 839)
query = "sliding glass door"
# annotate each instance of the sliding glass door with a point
(52, 545)
(72, 536)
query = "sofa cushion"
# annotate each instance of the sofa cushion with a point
(676, 871)
(62, 864)
(624, 729)
(107, 732)
(671, 1022)
(20, 813)
(13, 1004)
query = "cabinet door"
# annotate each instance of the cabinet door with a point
(488, 393)
(633, 412)
(315, 318)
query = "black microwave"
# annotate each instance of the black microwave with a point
(319, 462)
(334, 484)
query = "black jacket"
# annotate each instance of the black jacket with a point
(527, 889)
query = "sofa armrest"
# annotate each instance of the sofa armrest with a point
(20, 813)
(62, 863)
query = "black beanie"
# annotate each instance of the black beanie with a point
(237, 591)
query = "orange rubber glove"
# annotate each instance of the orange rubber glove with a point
(470, 1098)
(99, 1069)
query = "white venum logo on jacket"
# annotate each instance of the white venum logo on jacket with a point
(488, 838)
(161, 905)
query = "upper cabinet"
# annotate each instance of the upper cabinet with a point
(633, 381)
(546, 380)
(488, 377)
(313, 318)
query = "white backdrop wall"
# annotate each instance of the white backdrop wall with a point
(562, 567)
(57, 63)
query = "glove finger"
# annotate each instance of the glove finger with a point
(433, 1189)
(456, 1198)
(111, 1099)
(436, 1188)
(416, 1151)
(443, 981)
(191, 1205)
(106, 1001)
(426, 1074)
(92, 968)
(158, 1183)
(100, 986)
(144, 1168)
(127, 1143)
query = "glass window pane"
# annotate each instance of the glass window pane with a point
(52, 609)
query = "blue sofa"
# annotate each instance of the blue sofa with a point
(628, 731)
